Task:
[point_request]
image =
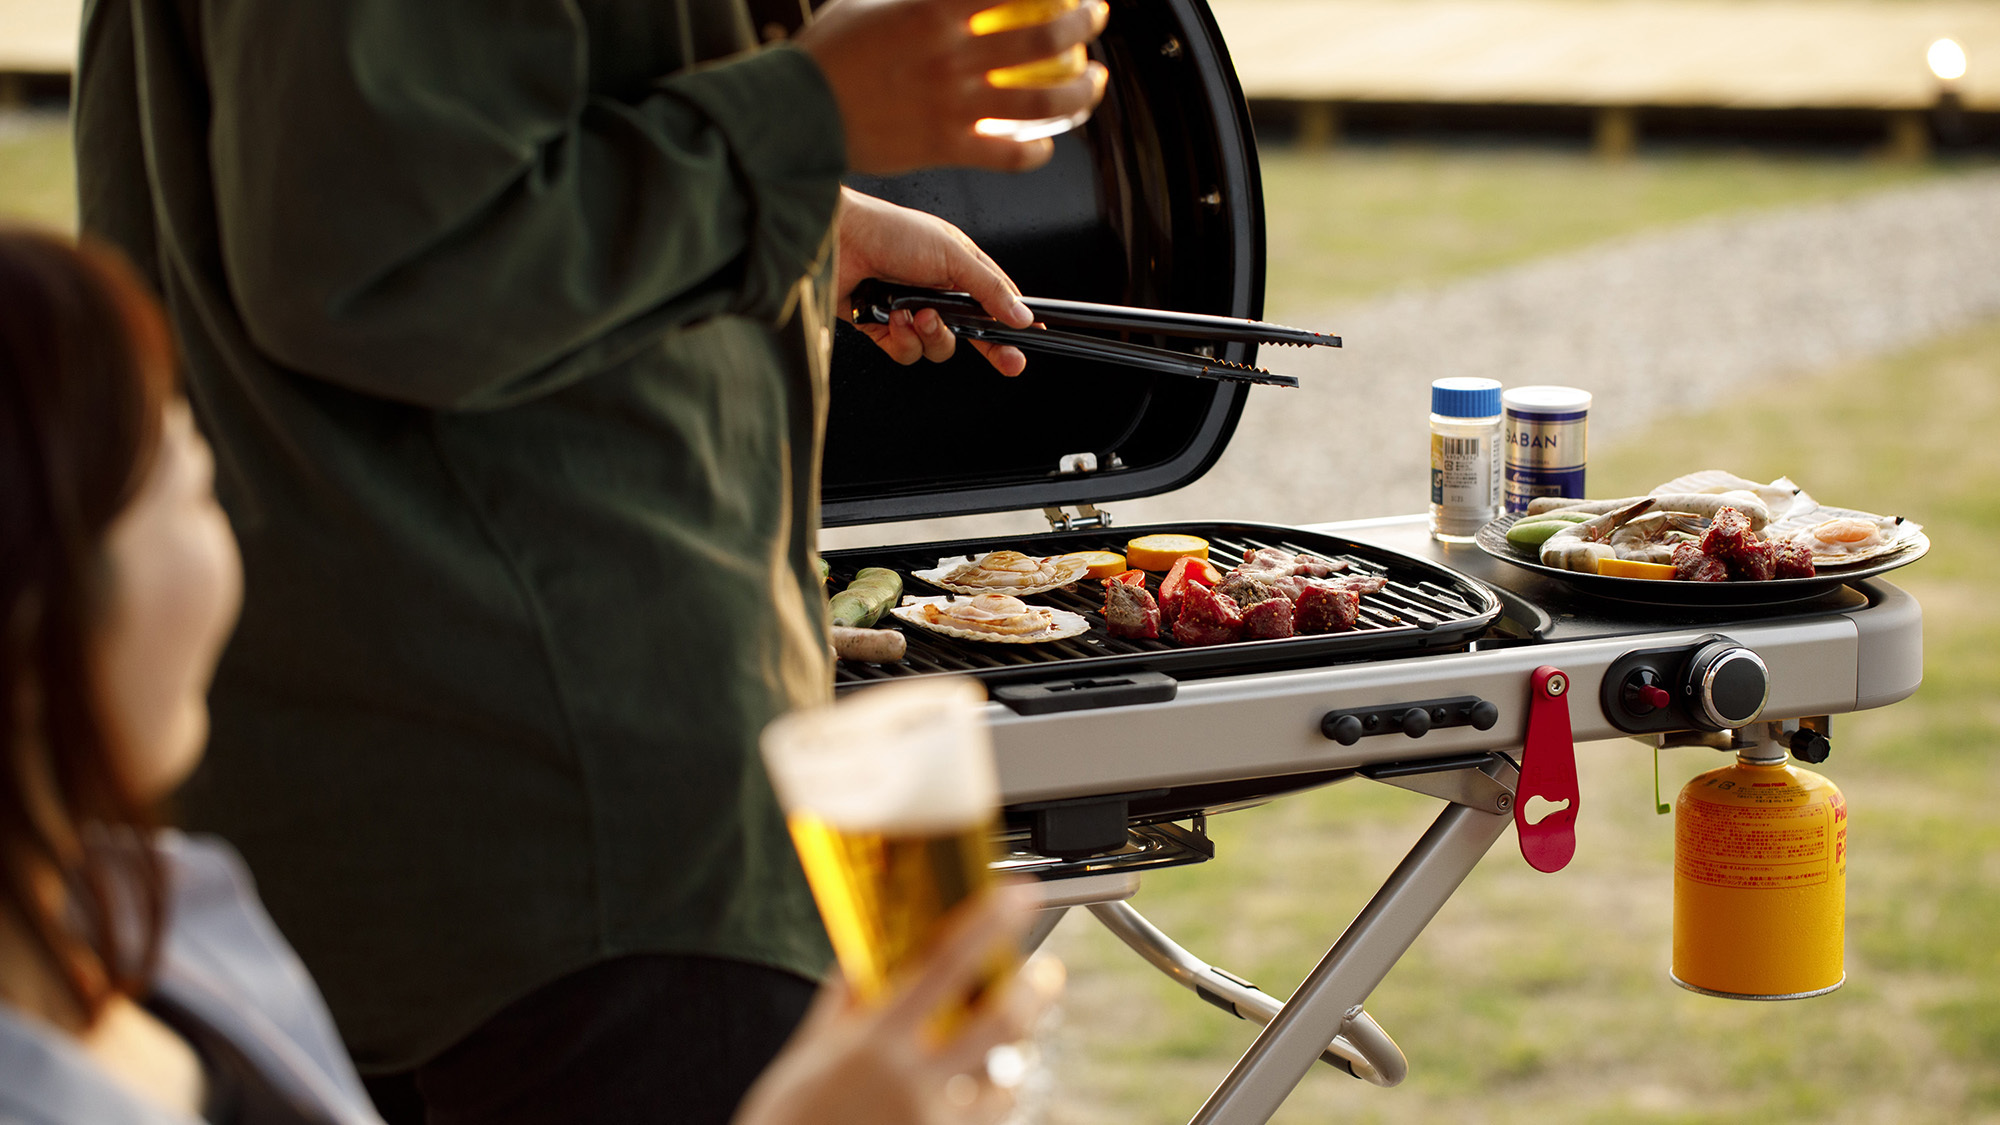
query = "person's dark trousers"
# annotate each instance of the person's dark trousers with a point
(650, 1038)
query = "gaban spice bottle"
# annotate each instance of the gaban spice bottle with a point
(1547, 436)
(1465, 457)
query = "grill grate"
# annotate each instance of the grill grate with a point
(1424, 607)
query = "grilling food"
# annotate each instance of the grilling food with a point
(1187, 571)
(1130, 611)
(1005, 572)
(991, 617)
(1158, 552)
(1206, 617)
(868, 646)
(1099, 564)
(1272, 595)
(1327, 609)
(866, 599)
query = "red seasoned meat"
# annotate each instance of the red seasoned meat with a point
(1691, 565)
(1326, 609)
(1244, 588)
(1269, 619)
(1753, 561)
(1791, 560)
(1207, 618)
(1727, 534)
(1130, 611)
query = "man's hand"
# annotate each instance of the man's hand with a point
(879, 239)
(853, 1064)
(910, 79)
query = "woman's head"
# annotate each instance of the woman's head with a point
(118, 584)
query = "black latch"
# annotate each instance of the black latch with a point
(1413, 719)
(1079, 826)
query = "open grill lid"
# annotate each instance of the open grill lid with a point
(1155, 202)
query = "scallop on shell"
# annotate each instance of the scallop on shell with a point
(1847, 538)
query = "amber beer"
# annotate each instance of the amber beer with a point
(890, 795)
(1052, 71)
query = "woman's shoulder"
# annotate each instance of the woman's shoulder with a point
(224, 962)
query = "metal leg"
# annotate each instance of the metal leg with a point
(1362, 1049)
(1286, 1049)
(1045, 923)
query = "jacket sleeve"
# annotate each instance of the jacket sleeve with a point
(427, 201)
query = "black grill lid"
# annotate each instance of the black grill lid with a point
(1156, 202)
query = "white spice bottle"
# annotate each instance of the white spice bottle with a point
(1465, 457)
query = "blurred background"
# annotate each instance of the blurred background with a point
(1766, 235)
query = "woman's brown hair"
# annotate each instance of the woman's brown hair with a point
(86, 368)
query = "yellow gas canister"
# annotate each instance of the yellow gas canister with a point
(1760, 880)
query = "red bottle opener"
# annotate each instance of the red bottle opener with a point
(1548, 771)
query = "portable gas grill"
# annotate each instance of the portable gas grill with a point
(1465, 679)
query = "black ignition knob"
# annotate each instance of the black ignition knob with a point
(1416, 722)
(1726, 685)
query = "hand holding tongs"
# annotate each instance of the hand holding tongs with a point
(875, 300)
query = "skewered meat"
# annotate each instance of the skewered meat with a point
(1270, 619)
(1326, 609)
(1130, 611)
(1207, 618)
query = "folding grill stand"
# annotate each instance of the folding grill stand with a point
(1324, 1019)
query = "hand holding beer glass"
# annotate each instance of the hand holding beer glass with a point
(1043, 74)
(891, 796)
(926, 83)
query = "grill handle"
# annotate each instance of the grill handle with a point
(1087, 693)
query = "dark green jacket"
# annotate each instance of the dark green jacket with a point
(508, 322)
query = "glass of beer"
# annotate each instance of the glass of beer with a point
(890, 795)
(1053, 71)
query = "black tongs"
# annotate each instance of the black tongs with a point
(875, 300)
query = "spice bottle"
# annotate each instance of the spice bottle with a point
(1548, 430)
(1465, 457)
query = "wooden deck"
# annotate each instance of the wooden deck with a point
(1735, 54)
(1741, 54)
(38, 36)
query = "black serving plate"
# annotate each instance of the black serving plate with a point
(1653, 591)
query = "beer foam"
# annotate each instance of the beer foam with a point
(911, 757)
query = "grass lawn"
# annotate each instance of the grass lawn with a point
(37, 179)
(1356, 221)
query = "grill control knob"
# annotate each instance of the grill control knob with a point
(1484, 715)
(1726, 686)
(1416, 722)
(1345, 729)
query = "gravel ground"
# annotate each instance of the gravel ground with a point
(1662, 321)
